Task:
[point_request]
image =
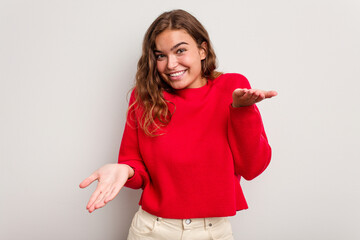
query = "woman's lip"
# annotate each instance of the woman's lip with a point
(177, 77)
(182, 71)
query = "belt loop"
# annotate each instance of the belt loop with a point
(208, 223)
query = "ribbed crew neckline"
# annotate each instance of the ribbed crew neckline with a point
(193, 93)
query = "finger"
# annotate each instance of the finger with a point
(113, 194)
(101, 199)
(259, 99)
(255, 94)
(248, 95)
(270, 94)
(92, 207)
(239, 92)
(260, 95)
(93, 197)
(107, 195)
(88, 180)
(100, 203)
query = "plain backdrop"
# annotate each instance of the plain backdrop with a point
(66, 68)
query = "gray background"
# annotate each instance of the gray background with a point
(66, 67)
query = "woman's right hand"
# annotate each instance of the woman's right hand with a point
(111, 177)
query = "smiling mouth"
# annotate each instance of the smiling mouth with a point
(176, 74)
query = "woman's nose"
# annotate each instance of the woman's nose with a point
(172, 62)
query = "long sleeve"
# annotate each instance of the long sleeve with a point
(247, 138)
(129, 151)
(192, 169)
(248, 141)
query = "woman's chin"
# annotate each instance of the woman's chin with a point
(178, 85)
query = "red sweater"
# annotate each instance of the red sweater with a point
(194, 169)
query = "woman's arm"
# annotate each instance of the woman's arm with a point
(247, 138)
(130, 170)
(129, 149)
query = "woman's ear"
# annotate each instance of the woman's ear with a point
(203, 50)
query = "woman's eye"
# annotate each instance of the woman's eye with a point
(180, 50)
(159, 56)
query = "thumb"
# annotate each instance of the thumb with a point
(88, 180)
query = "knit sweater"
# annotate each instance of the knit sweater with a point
(193, 170)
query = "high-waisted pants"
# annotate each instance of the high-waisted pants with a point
(146, 226)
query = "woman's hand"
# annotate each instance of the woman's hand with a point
(246, 97)
(112, 178)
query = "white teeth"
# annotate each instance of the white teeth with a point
(176, 74)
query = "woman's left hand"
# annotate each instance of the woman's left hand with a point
(247, 97)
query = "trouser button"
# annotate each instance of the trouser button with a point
(188, 221)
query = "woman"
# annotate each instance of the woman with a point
(191, 134)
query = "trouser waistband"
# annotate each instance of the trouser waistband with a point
(190, 223)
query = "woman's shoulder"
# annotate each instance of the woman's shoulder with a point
(232, 80)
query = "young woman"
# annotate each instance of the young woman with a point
(191, 134)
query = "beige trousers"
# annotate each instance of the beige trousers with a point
(149, 227)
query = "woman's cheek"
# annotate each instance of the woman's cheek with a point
(160, 66)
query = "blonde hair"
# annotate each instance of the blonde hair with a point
(149, 84)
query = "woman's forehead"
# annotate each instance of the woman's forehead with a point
(168, 39)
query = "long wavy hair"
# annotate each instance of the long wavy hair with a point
(149, 86)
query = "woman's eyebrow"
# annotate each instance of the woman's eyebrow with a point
(174, 47)
(177, 45)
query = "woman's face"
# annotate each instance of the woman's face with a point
(178, 59)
